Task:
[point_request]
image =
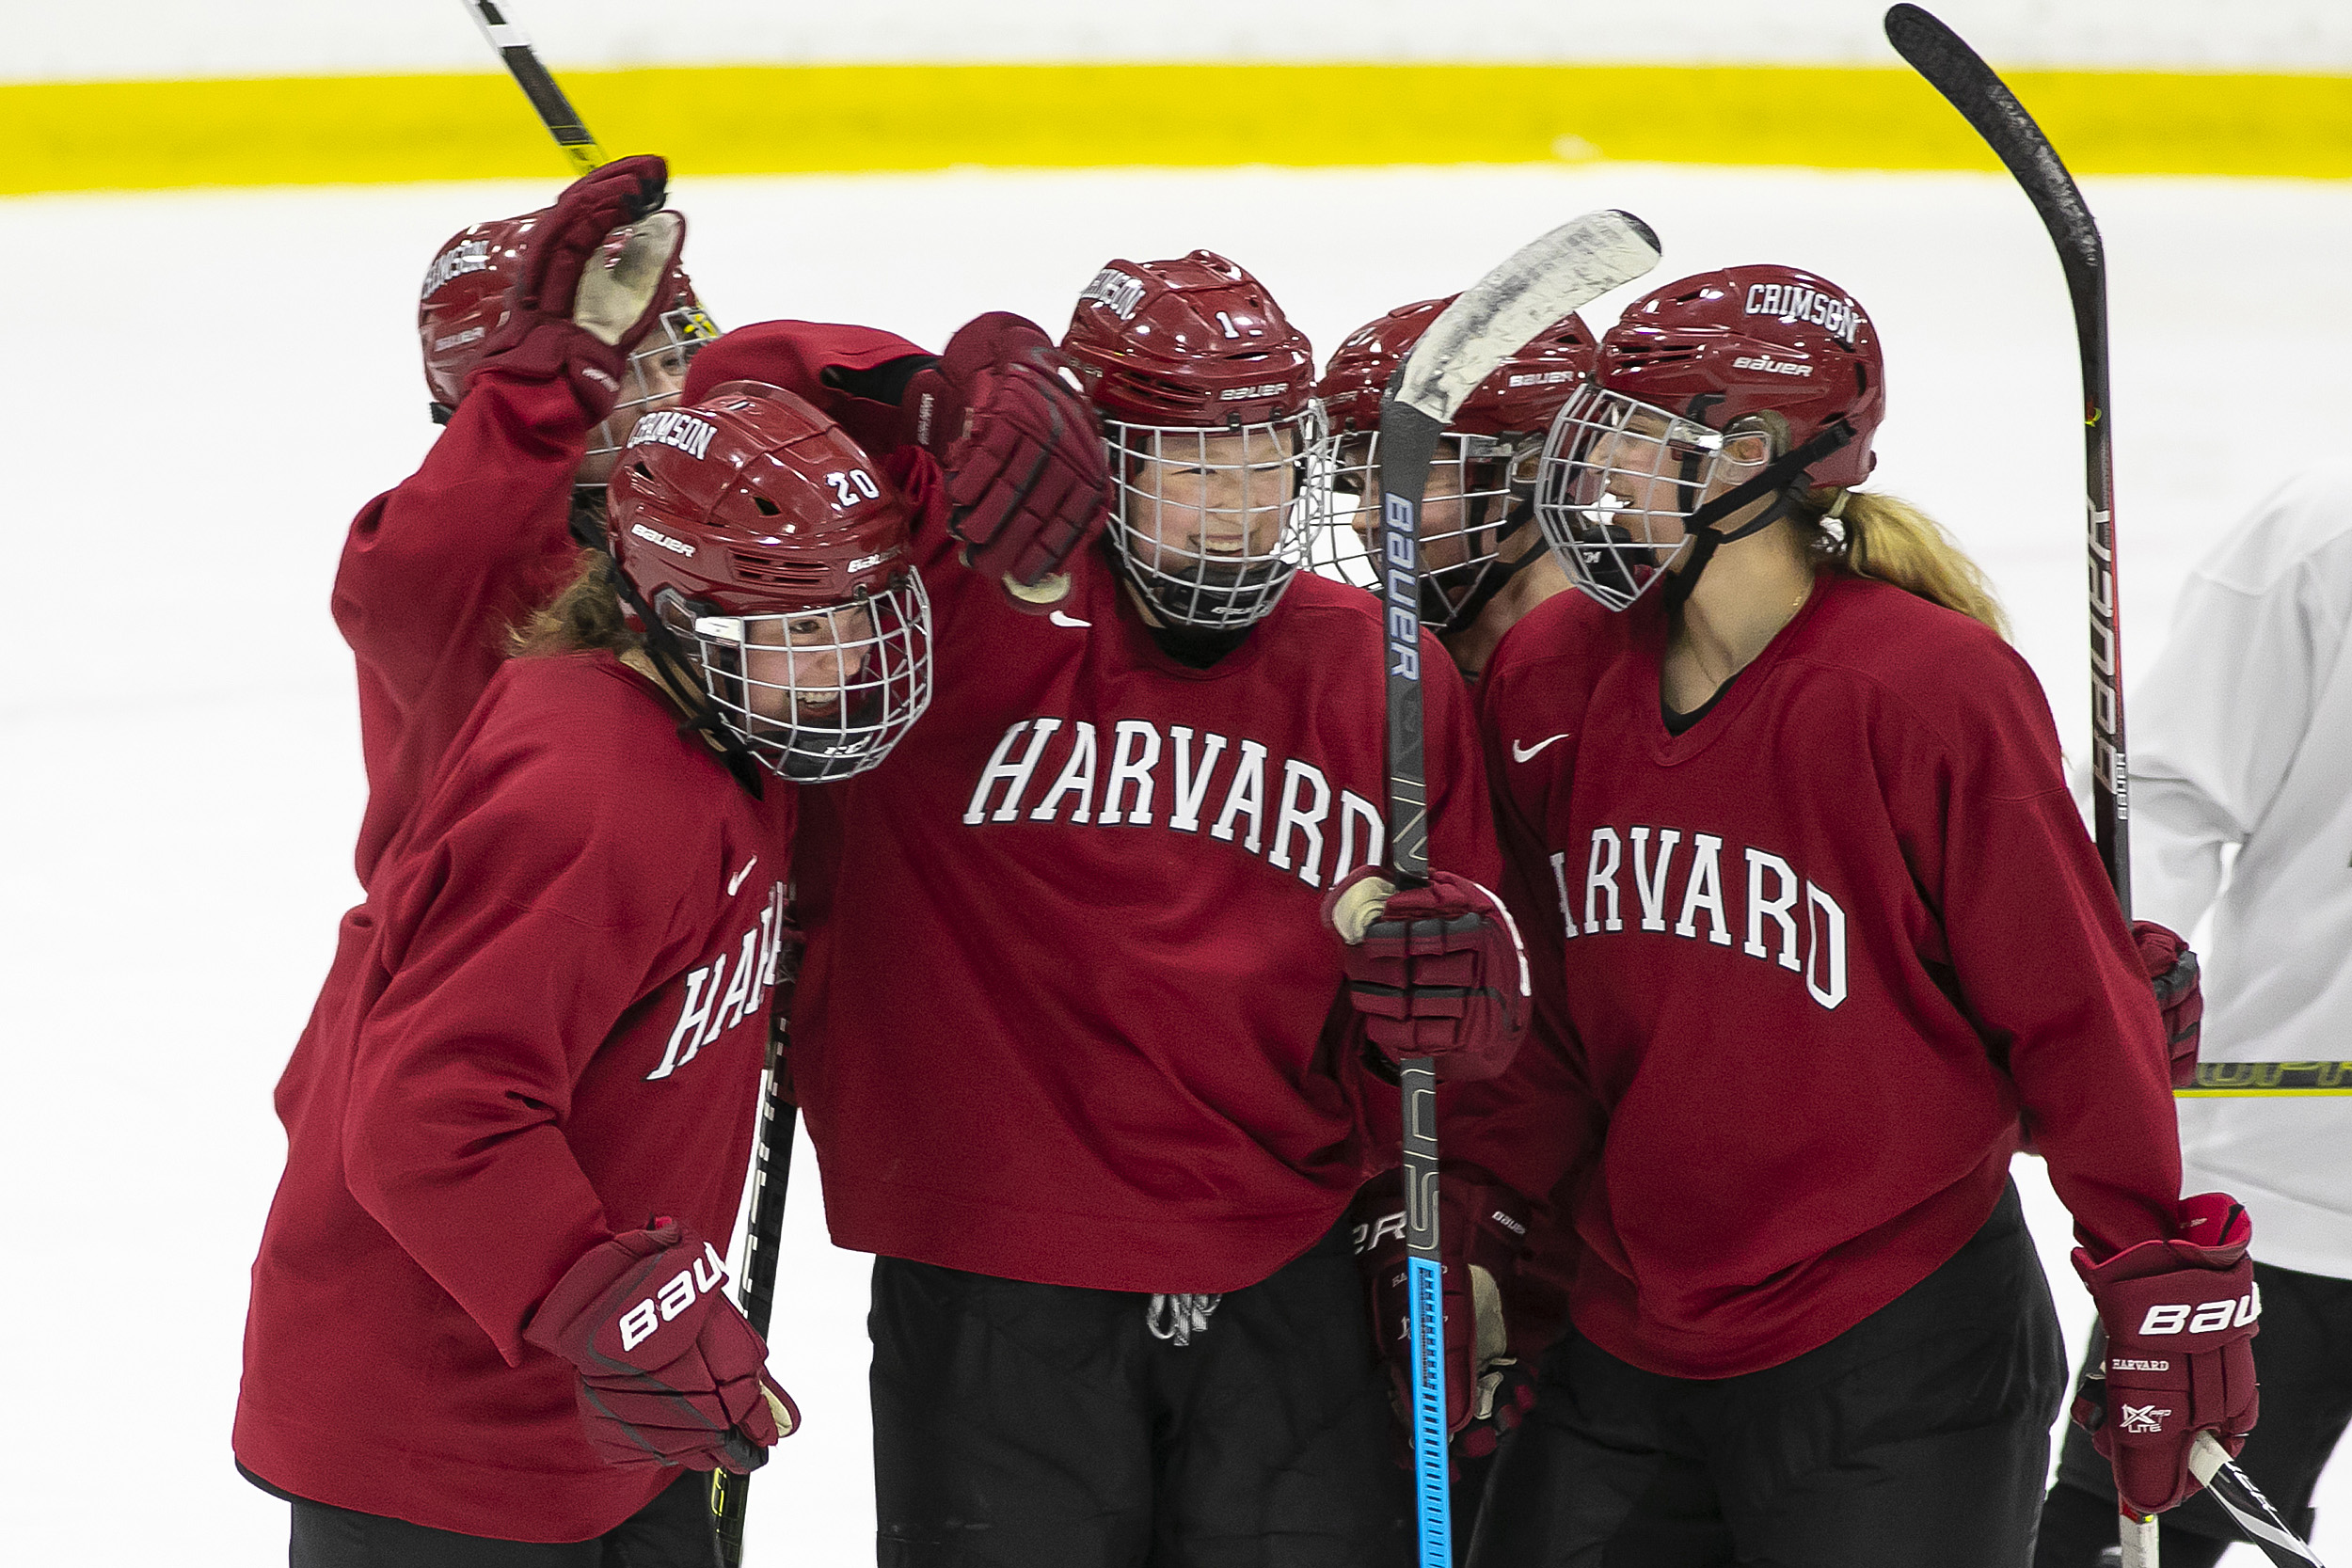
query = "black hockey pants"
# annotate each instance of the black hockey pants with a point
(1919, 1436)
(2303, 1357)
(1040, 1426)
(672, 1531)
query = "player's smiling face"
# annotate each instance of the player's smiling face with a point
(1221, 495)
(1653, 469)
(800, 667)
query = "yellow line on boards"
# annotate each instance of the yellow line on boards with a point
(748, 120)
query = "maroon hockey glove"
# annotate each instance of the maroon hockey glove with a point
(2180, 1321)
(585, 295)
(1480, 1228)
(1021, 448)
(670, 1373)
(1436, 971)
(2180, 995)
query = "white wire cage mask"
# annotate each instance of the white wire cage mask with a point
(1212, 524)
(815, 694)
(656, 375)
(1620, 481)
(1475, 483)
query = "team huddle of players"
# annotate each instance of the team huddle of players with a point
(979, 704)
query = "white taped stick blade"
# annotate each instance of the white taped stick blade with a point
(2139, 1538)
(1570, 267)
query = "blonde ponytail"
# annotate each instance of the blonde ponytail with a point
(586, 614)
(1887, 538)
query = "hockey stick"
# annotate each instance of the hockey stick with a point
(1491, 320)
(1956, 70)
(555, 110)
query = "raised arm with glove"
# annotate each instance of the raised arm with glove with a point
(1017, 439)
(587, 292)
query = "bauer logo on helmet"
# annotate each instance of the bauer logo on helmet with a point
(1766, 362)
(675, 547)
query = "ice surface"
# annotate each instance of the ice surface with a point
(205, 387)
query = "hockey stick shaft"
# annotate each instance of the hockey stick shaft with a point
(772, 1169)
(1543, 281)
(555, 110)
(1986, 103)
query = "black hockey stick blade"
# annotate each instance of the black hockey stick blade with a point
(2210, 1463)
(1959, 74)
(555, 110)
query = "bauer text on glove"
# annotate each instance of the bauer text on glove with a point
(670, 1373)
(2180, 1318)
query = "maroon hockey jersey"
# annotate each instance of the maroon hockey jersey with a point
(1802, 967)
(1068, 1012)
(436, 569)
(548, 1027)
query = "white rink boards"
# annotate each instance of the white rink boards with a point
(204, 386)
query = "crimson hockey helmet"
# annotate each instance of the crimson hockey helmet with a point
(1217, 449)
(1711, 393)
(1482, 481)
(764, 554)
(464, 297)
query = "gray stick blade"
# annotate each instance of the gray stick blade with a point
(1573, 265)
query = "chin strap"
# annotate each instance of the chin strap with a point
(1784, 474)
(686, 689)
(1495, 577)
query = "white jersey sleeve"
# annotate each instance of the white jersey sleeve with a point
(2242, 738)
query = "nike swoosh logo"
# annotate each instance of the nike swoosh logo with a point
(1521, 753)
(737, 881)
(1060, 620)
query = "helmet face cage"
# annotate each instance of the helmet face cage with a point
(815, 694)
(1475, 483)
(1212, 523)
(1619, 482)
(655, 376)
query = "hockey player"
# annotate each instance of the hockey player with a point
(544, 338)
(1104, 1148)
(2242, 740)
(1483, 560)
(468, 1339)
(1819, 921)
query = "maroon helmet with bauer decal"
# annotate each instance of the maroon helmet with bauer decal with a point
(1482, 483)
(1709, 393)
(769, 556)
(464, 299)
(1217, 447)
